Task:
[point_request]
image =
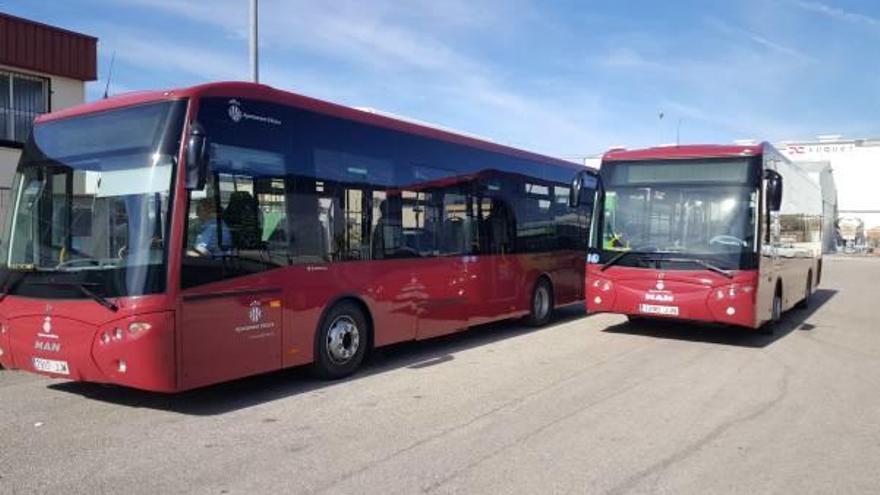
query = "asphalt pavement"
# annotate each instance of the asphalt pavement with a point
(584, 405)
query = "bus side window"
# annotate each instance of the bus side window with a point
(236, 226)
(419, 223)
(457, 233)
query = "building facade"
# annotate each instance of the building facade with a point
(856, 166)
(42, 69)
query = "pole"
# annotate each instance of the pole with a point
(254, 42)
(678, 133)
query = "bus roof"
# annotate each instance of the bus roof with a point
(268, 93)
(685, 152)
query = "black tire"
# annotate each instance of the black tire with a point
(341, 341)
(808, 291)
(775, 314)
(540, 303)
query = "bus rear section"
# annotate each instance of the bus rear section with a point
(704, 233)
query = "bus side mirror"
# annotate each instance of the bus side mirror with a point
(196, 158)
(583, 187)
(774, 190)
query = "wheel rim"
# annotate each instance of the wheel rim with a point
(541, 304)
(343, 339)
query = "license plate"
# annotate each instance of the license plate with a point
(51, 366)
(655, 309)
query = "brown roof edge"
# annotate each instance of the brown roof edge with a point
(47, 49)
(46, 26)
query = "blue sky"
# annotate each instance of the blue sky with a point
(567, 78)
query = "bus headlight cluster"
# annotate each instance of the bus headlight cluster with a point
(112, 335)
(732, 291)
(731, 300)
(117, 334)
(600, 289)
(601, 285)
(138, 327)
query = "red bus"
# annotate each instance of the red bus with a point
(704, 233)
(174, 239)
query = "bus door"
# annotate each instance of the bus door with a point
(498, 266)
(437, 226)
(770, 262)
(231, 307)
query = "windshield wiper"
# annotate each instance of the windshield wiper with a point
(613, 261)
(697, 261)
(103, 301)
(11, 286)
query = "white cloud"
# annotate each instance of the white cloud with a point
(760, 40)
(408, 51)
(839, 14)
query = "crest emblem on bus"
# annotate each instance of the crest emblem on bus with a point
(47, 324)
(234, 111)
(660, 285)
(256, 312)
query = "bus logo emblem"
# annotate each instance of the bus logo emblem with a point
(234, 111)
(47, 325)
(660, 285)
(256, 312)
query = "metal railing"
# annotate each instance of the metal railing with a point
(22, 98)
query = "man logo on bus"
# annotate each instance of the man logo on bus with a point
(234, 111)
(256, 312)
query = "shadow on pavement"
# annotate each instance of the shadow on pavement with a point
(795, 319)
(252, 391)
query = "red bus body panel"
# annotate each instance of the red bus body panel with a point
(407, 299)
(71, 331)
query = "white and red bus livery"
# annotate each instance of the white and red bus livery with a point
(726, 234)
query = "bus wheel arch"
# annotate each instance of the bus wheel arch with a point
(541, 301)
(343, 338)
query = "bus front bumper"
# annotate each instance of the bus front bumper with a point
(135, 351)
(698, 298)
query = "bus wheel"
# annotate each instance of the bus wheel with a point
(775, 314)
(808, 291)
(541, 303)
(341, 341)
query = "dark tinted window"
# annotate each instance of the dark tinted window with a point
(309, 188)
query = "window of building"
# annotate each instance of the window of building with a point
(22, 99)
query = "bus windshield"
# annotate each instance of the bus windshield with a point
(91, 201)
(695, 217)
